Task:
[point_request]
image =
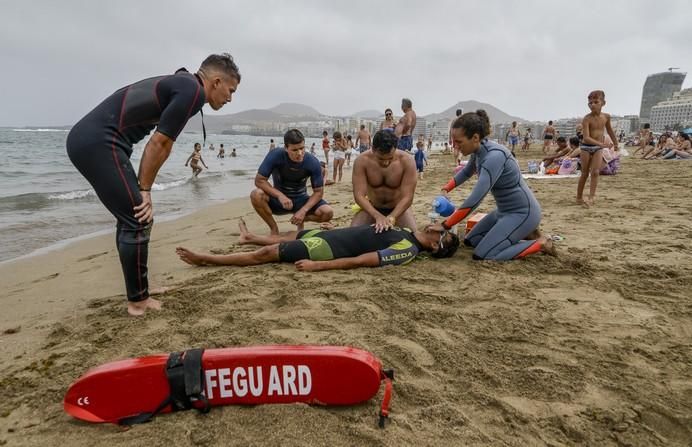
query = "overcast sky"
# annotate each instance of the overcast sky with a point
(533, 59)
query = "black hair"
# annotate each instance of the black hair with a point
(337, 135)
(405, 102)
(647, 125)
(349, 137)
(562, 140)
(271, 140)
(472, 123)
(384, 141)
(325, 133)
(448, 249)
(197, 144)
(550, 123)
(388, 110)
(684, 136)
(223, 63)
(293, 136)
(574, 141)
(362, 126)
(459, 112)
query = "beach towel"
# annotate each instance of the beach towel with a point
(549, 177)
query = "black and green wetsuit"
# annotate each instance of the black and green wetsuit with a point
(394, 247)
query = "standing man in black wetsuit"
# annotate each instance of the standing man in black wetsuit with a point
(100, 145)
(290, 167)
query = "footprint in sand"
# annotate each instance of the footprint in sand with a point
(46, 278)
(90, 257)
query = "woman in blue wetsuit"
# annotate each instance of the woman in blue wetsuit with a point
(504, 233)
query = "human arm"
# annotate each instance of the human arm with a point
(409, 179)
(370, 259)
(461, 176)
(189, 158)
(359, 179)
(489, 173)
(203, 163)
(611, 133)
(405, 123)
(156, 151)
(317, 183)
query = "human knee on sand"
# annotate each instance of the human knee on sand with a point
(384, 183)
(102, 156)
(505, 233)
(343, 248)
(290, 167)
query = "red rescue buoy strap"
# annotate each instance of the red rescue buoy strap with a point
(387, 376)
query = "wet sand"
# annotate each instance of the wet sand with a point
(593, 347)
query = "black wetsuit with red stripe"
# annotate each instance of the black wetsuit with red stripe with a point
(100, 145)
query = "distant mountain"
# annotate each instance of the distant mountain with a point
(496, 115)
(372, 113)
(293, 109)
(287, 112)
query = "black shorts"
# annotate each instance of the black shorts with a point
(298, 203)
(313, 247)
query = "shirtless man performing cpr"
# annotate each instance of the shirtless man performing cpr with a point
(384, 181)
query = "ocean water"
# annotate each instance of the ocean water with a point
(44, 201)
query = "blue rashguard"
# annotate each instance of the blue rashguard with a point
(499, 235)
(290, 178)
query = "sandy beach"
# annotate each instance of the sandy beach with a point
(593, 347)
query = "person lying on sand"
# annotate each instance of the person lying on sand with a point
(343, 248)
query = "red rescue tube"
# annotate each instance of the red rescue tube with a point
(322, 375)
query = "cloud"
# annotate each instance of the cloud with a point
(534, 59)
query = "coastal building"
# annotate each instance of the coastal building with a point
(659, 87)
(421, 128)
(567, 126)
(674, 113)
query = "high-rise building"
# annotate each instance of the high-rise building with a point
(677, 111)
(420, 128)
(659, 87)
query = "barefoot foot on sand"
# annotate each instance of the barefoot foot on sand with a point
(244, 232)
(137, 308)
(327, 226)
(547, 246)
(188, 256)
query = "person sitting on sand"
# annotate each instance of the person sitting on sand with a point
(561, 151)
(194, 159)
(666, 143)
(290, 168)
(384, 182)
(342, 248)
(682, 151)
(504, 233)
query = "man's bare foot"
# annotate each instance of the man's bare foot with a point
(588, 202)
(189, 257)
(137, 308)
(327, 226)
(580, 201)
(547, 246)
(245, 235)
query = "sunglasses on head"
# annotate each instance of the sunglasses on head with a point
(442, 236)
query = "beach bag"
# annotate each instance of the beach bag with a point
(611, 162)
(568, 166)
(533, 167)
